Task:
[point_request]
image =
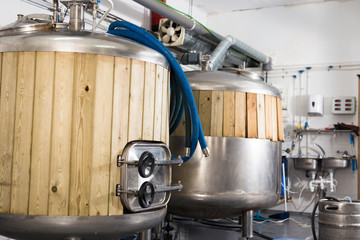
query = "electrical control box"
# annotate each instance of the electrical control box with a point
(343, 105)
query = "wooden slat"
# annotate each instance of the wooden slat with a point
(164, 106)
(251, 115)
(268, 117)
(167, 136)
(101, 155)
(1, 57)
(82, 134)
(136, 99)
(240, 114)
(158, 102)
(23, 130)
(40, 155)
(280, 126)
(196, 95)
(149, 101)
(205, 110)
(274, 120)
(119, 127)
(229, 114)
(217, 112)
(261, 115)
(7, 113)
(61, 135)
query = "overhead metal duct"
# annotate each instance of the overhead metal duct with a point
(195, 27)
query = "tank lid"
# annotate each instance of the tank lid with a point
(251, 75)
(28, 23)
(39, 35)
(225, 81)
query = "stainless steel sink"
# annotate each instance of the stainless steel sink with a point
(306, 163)
(334, 163)
(320, 164)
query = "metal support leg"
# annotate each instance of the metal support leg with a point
(146, 235)
(247, 224)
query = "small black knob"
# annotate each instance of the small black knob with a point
(146, 194)
(146, 164)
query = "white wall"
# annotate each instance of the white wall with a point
(312, 33)
(316, 35)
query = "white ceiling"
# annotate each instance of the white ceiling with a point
(216, 6)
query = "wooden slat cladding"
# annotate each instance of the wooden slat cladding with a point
(22, 136)
(120, 123)
(7, 120)
(61, 135)
(238, 114)
(65, 117)
(41, 138)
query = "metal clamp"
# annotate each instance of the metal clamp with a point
(177, 187)
(121, 161)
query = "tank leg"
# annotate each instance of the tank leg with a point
(158, 230)
(146, 235)
(247, 224)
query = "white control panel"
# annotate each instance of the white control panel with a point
(343, 105)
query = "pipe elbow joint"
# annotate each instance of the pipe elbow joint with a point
(230, 39)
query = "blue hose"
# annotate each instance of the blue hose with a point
(133, 32)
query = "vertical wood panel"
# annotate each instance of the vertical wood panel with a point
(7, 113)
(268, 117)
(82, 134)
(196, 95)
(1, 58)
(229, 114)
(261, 115)
(119, 127)
(23, 130)
(149, 100)
(217, 113)
(274, 119)
(280, 120)
(205, 110)
(158, 101)
(251, 115)
(43, 103)
(100, 176)
(167, 72)
(164, 104)
(240, 114)
(137, 99)
(61, 135)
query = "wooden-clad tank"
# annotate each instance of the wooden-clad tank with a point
(69, 103)
(241, 118)
(247, 113)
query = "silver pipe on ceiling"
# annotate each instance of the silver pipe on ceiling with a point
(192, 25)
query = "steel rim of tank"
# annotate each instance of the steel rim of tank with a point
(79, 227)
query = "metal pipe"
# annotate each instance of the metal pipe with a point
(105, 14)
(56, 12)
(219, 54)
(206, 46)
(247, 224)
(192, 25)
(77, 17)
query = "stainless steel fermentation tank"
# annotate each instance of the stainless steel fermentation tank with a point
(75, 159)
(243, 171)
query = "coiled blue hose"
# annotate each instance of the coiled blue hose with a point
(133, 32)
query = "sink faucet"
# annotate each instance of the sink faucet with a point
(322, 150)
